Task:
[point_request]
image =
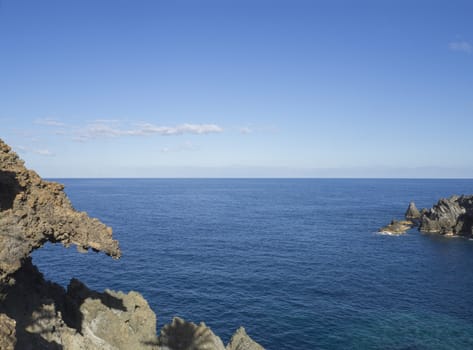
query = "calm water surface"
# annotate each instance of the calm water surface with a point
(297, 262)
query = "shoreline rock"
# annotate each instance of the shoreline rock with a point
(38, 314)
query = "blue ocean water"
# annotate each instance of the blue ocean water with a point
(297, 262)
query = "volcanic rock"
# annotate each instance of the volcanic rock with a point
(37, 314)
(450, 216)
(412, 212)
(49, 317)
(34, 211)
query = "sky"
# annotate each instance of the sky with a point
(247, 88)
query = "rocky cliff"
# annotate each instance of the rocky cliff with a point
(37, 314)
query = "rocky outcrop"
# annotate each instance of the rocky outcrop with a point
(412, 213)
(37, 314)
(241, 341)
(49, 317)
(450, 216)
(34, 211)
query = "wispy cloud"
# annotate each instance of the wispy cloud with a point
(461, 46)
(49, 122)
(39, 151)
(43, 152)
(102, 128)
(246, 130)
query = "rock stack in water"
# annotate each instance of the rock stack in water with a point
(37, 314)
(450, 216)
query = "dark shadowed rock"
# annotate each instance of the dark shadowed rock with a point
(47, 317)
(412, 212)
(183, 335)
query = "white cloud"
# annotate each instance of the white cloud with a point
(49, 122)
(461, 46)
(43, 152)
(109, 129)
(39, 151)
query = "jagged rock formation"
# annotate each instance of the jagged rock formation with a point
(412, 213)
(37, 314)
(34, 211)
(450, 216)
(49, 317)
(241, 341)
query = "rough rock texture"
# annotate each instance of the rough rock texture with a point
(412, 212)
(451, 216)
(241, 341)
(49, 317)
(397, 227)
(7, 333)
(183, 335)
(37, 314)
(33, 211)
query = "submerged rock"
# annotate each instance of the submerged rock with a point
(397, 227)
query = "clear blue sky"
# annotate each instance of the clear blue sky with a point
(242, 88)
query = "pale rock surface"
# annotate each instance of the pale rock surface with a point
(241, 341)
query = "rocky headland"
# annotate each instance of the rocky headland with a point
(39, 314)
(451, 216)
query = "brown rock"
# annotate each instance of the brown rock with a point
(34, 211)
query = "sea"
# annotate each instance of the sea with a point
(297, 262)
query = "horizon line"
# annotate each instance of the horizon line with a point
(256, 178)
